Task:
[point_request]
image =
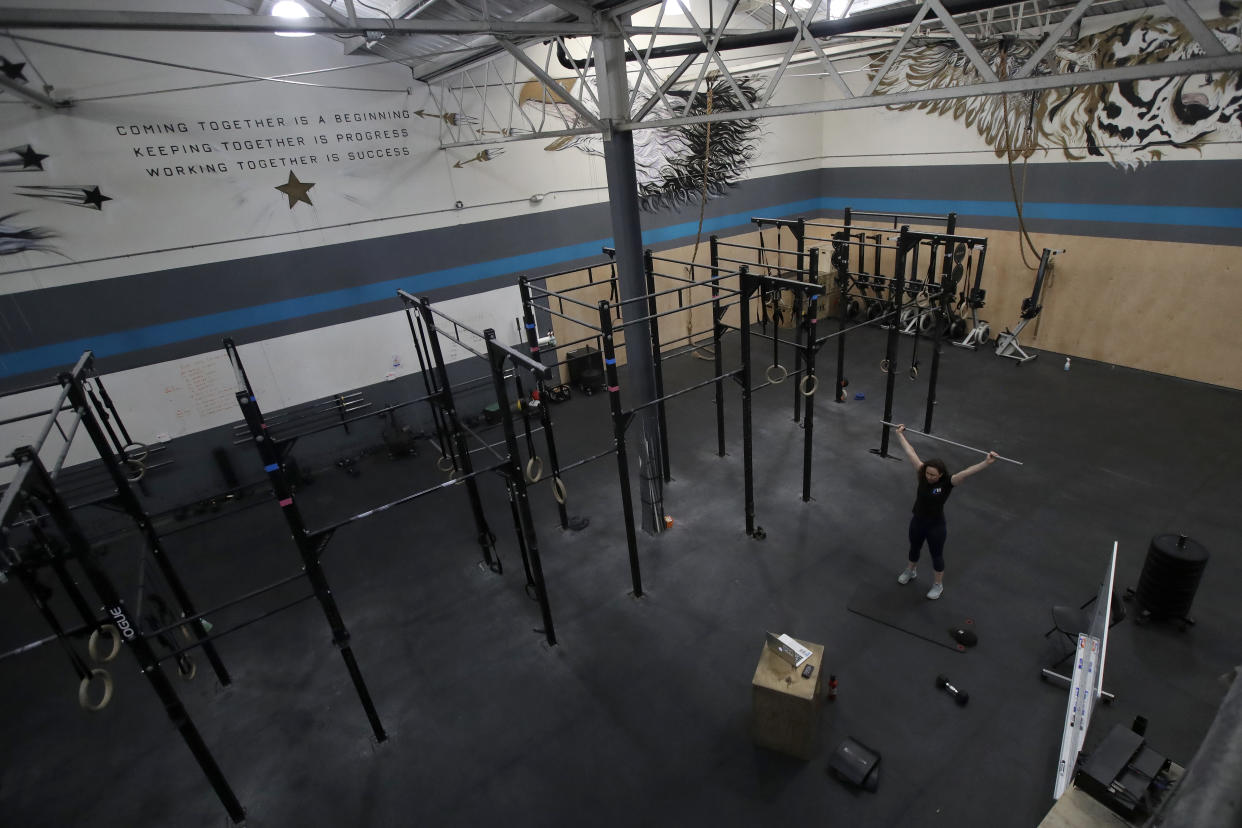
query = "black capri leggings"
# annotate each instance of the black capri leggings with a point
(932, 531)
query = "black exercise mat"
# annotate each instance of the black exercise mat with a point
(907, 608)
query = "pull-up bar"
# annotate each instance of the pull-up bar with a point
(898, 215)
(518, 358)
(950, 442)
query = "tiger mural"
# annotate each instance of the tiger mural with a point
(1129, 123)
(675, 166)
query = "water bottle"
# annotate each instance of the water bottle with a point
(1067, 363)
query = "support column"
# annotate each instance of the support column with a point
(631, 283)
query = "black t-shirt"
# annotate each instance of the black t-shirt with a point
(929, 501)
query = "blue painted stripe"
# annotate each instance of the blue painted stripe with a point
(1123, 213)
(271, 468)
(218, 324)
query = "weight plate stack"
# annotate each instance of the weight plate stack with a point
(1171, 575)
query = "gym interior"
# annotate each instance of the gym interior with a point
(454, 414)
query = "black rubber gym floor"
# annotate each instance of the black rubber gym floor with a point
(641, 714)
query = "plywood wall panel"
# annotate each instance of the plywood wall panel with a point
(1156, 306)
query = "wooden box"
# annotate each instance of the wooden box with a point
(786, 706)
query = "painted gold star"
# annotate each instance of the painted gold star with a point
(94, 198)
(296, 190)
(30, 158)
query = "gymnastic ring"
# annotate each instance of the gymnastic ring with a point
(778, 380)
(182, 660)
(914, 372)
(84, 697)
(136, 451)
(537, 463)
(92, 643)
(558, 490)
(923, 299)
(135, 476)
(814, 383)
(884, 365)
(440, 463)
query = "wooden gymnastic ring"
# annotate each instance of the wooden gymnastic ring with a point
(440, 463)
(784, 373)
(84, 695)
(92, 643)
(914, 372)
(813, 380)
(884, 365)
(537, 463)
(136, 451)
(558, 490)
(923, 299)
(186, 673)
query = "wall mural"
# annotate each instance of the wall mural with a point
(1129, 124)
(672, 164)
(15, 238)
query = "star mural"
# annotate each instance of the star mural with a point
(94, 198)
(17, 159)
(13, 71)
(77, 195)
(296, 190)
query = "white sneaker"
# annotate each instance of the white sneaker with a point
(935, 591)
(907, 575)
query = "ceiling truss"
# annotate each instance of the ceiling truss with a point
(543, 40)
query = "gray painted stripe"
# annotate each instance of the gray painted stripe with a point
(55, 315)
(1180, 183)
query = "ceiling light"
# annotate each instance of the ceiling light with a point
(290, 10)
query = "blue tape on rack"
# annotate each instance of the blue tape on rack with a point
(530, 325)
(610, 361)
(252, 399)
(271, 468)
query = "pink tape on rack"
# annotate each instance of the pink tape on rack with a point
(288, 501)
(614, 388)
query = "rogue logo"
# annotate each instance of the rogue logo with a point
(122, 623)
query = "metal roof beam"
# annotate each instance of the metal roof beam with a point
(36, 98)
(1142, 71)
(194, 22)
(976, 59)
(1053, 38)
(552, 85)
(1204, 36)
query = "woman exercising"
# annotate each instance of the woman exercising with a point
(927, 522)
